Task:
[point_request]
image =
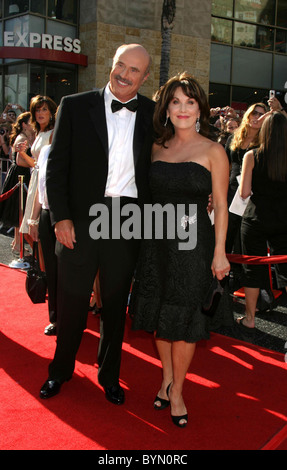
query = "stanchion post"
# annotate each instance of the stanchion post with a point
(21, 210)
(20, 263)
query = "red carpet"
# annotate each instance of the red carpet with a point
(235, 392)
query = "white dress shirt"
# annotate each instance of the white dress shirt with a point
(121, 174)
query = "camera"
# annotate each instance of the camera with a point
(280, 95)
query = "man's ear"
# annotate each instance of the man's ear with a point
(145, 78)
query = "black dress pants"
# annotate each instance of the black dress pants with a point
(116, 260)
(48, 241)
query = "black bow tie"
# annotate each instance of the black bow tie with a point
(131, 105)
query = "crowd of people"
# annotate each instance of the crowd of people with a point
(130, 149)
(13, 129)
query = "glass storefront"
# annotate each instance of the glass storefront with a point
(58, 80)
(16, 84)
(22, 25)
(260, 11)
(221, 30)
(248, 50)
(30, 24)
(65, 10)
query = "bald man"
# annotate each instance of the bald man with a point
(100, 155)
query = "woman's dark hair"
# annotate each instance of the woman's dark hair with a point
(165, 94)
(272, 150)
(17, 127)
(36, 103)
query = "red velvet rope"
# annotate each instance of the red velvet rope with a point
(9, 193)
(245, 259)
(233, 258)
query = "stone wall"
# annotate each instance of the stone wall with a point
(106, 24)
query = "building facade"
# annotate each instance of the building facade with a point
(235, 48)
(104, 25)
(248, 54)
(40, 49)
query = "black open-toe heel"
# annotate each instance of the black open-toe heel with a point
(163, 402)
(176, 419)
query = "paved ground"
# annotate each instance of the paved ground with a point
(271, 325)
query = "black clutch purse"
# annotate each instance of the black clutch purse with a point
(36, 283)
(213, 296)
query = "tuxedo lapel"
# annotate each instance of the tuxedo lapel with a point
(98, 116)
(141, 125)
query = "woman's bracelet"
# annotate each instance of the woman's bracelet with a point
(33, 222)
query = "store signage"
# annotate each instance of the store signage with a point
(46, 41)
(42, 47)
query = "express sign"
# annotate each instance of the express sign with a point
(46, 41)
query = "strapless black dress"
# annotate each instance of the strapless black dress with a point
(171, 283)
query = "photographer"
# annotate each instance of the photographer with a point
(225, 113)
(229, 127)
(219, 117)
(9, 114)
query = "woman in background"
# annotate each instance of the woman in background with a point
(22, 131)
(243, 139)
(42, 109)
(264, 178)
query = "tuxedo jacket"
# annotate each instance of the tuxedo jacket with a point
(77, 167)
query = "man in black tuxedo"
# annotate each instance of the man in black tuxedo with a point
(101, 155)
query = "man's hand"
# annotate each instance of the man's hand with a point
(65, 233)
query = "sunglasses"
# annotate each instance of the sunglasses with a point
(257, 113)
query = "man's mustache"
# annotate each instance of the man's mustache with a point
(124, 80)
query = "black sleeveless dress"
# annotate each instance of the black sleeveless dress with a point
(9, 208)
(170, 284)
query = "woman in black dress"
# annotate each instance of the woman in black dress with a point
(243, 139)
(9, 209)
(172, 279)
(264, 177)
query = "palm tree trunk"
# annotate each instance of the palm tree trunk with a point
(167, 23)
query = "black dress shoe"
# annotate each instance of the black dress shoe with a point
(96, 310)
(50, 389)
(51, 330)
(115, 394)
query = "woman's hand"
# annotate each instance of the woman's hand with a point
(22, 146)
(33, 232)
(274, 104)
(220, 266)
